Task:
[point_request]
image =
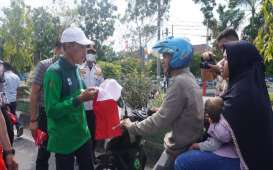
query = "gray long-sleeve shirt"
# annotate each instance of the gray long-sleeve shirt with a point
(182, 111)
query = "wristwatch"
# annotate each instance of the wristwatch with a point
(8, 152)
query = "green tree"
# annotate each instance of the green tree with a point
(142, 17)
(130, 64)
(98, 19)
(269, 68)
(98, 22)
(264, 40)
(195, 65)
(107, 53)
(16, 32)
(251, 30)
(136, 90)
(110, 70)
(47, 31)
(229, 16)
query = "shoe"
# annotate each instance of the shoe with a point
(20, 131)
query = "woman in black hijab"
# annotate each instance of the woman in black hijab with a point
(247, 107)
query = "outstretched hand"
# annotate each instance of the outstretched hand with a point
(126, 123)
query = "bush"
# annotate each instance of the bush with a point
(136, 90)
(110, 70)
(271, 97)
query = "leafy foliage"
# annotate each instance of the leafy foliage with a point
(195, 65)
(229, 16)
(16, 33)
(136, 90)
(110, 70)
(46, 31)
(99, 19)
(264, 40)
(141, 17)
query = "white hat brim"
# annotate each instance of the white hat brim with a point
(84, 42)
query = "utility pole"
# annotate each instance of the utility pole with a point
(158, 38)
(172, 29)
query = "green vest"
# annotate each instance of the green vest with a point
(67, 125)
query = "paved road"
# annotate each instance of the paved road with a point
(26, 152)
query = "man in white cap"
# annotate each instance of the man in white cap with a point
(69, 136)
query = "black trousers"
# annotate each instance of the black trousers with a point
(12, 106)
(90, 116)
(43, 154)
(83, 156)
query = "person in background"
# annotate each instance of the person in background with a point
(12, 82)
(225, 36)
(92, 76)
(38, 116)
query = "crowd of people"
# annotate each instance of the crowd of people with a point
(231, 131)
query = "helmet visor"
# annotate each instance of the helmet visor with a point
(159, 51)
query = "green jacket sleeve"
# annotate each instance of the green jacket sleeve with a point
(54, 106)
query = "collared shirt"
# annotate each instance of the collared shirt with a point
(90, 80)
(67, 126)
(12, 82)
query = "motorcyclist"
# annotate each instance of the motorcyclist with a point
(182, 109)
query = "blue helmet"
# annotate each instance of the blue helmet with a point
(180, 50)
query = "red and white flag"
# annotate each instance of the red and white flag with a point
(106, 110)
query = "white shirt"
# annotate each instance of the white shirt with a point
(12, 82)
(90, 80)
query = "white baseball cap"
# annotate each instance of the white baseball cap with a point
(75, 34)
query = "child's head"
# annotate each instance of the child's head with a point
(213, 107)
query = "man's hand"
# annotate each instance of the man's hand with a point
(88, 94)
(126, 123)
(33, 127)
(195, 146)
(11, 162)
(152, 111)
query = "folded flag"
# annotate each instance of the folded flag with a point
(12, 118)
(40, 137)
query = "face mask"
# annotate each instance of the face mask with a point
(90, 57)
